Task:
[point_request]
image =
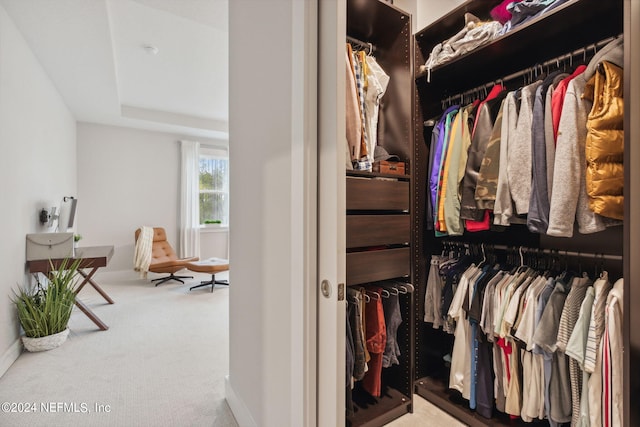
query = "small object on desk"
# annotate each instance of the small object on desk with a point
(213, 266)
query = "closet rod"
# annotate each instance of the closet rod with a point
(553, 61)
(597, 256)
(360, 43)
(525, 249)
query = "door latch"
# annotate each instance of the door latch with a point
(325, 287)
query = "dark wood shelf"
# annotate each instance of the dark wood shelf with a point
(380, 200)
(536, 41)
(366, 174)
(377, 22)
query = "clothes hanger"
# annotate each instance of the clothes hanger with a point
(406, 287)
(484, 255)
(522, 267)
(603, 272)
(373, 294)
(390, 289)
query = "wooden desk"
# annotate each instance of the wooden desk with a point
(91, 257)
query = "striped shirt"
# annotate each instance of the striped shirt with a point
(602, 286)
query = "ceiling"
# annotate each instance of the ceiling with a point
(99, 54)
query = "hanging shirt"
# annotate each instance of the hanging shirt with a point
(443, 135)
(377, 82)
(353, 119)
(460, 373)
(376, 335)
(556, 375)
(393, 319)
(455, 173)
(357, 333)
(612, 359)
(576, 348)
(550, 144)
(454, 138)
(435, 137)
(362, 161)
(487, 186)
(503, 209)
(538, 215)
(519, 151)
(602, 286)
(557, 99)
(568, 320)
(449, 134)
(433, 294)
(480, 135)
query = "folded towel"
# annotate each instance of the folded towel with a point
(142, 251)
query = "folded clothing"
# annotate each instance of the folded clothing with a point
(474, 34)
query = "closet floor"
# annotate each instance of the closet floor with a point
(427, 414)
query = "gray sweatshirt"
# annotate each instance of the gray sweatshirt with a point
(519, 151)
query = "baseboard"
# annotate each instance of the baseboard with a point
(240, 411)
(10, 356)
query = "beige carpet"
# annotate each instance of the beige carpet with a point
(161, 363)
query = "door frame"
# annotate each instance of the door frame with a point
(331, 264)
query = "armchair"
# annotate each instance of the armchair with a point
(164, 258)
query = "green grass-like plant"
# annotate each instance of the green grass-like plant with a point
(46, 310)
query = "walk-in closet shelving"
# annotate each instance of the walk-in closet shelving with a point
(379, 222)
(570, 28)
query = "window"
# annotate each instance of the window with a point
(214, 187)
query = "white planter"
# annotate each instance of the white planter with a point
(45, 343)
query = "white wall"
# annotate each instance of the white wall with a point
(411, 7)
(214, 243)
(424, 12)
(37, 165)
(128, 178)
(266, 383)
(428, 11)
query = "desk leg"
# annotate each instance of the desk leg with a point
(91, 315)
(88, 279)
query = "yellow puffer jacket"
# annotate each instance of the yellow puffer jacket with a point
(605, 141)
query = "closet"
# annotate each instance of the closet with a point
(570, 32)
(387, 235)
(380, 219)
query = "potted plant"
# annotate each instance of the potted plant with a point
(44, 312)
(76, 239)
(212, 223)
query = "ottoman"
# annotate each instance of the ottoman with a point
(211, 266)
